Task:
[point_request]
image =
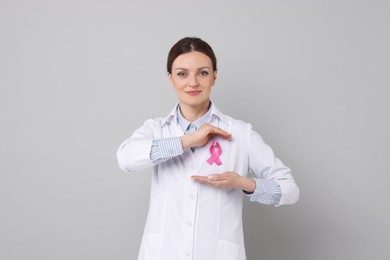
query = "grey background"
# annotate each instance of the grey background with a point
(77, 77)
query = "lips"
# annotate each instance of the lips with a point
(193, 92)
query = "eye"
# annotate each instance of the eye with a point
(203, 73)
(181, 74)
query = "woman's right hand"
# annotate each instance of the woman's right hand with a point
(201, 136)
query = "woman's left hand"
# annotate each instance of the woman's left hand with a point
(227, 180)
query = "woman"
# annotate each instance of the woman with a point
(204, 163)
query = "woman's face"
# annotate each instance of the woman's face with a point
(193, 77)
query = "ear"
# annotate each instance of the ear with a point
(215, 76)
(170, 79)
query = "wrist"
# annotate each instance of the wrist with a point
(186, 141)
(248, 185)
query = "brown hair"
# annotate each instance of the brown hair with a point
(189, 44)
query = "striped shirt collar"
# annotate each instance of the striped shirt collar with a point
(184, 123)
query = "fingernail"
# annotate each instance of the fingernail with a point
(211, 177)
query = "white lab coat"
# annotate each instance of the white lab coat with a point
(188, 220)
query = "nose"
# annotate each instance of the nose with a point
(193, 81)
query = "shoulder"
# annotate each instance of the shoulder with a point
(159, 122)
(244, 132)
(228, 121)
(243, 129)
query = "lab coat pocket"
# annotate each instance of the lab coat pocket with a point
(228, 250)
(150, 247)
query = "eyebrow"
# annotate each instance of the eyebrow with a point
(202, 68)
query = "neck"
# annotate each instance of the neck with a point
(192, 113)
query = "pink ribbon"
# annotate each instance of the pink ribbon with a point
(215, 151)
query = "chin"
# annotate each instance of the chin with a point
(194, 102)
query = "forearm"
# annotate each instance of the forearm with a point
(274, 182)
(133, 154)
(165, 149)
(289, 191)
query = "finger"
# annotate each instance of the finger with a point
(205, 180)
(219, 131)
(211, 177)
(202, 179)
(221, 176)
(216, 177)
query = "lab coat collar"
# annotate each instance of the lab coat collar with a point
(172, 117)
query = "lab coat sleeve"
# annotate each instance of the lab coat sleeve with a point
(134, 153)
(263, 164)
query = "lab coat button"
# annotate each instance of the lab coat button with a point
(187, 253)
(193, 167)
(191, 196)
(189, 224)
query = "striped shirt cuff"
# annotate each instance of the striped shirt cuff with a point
(266, 192)
(165, 149)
